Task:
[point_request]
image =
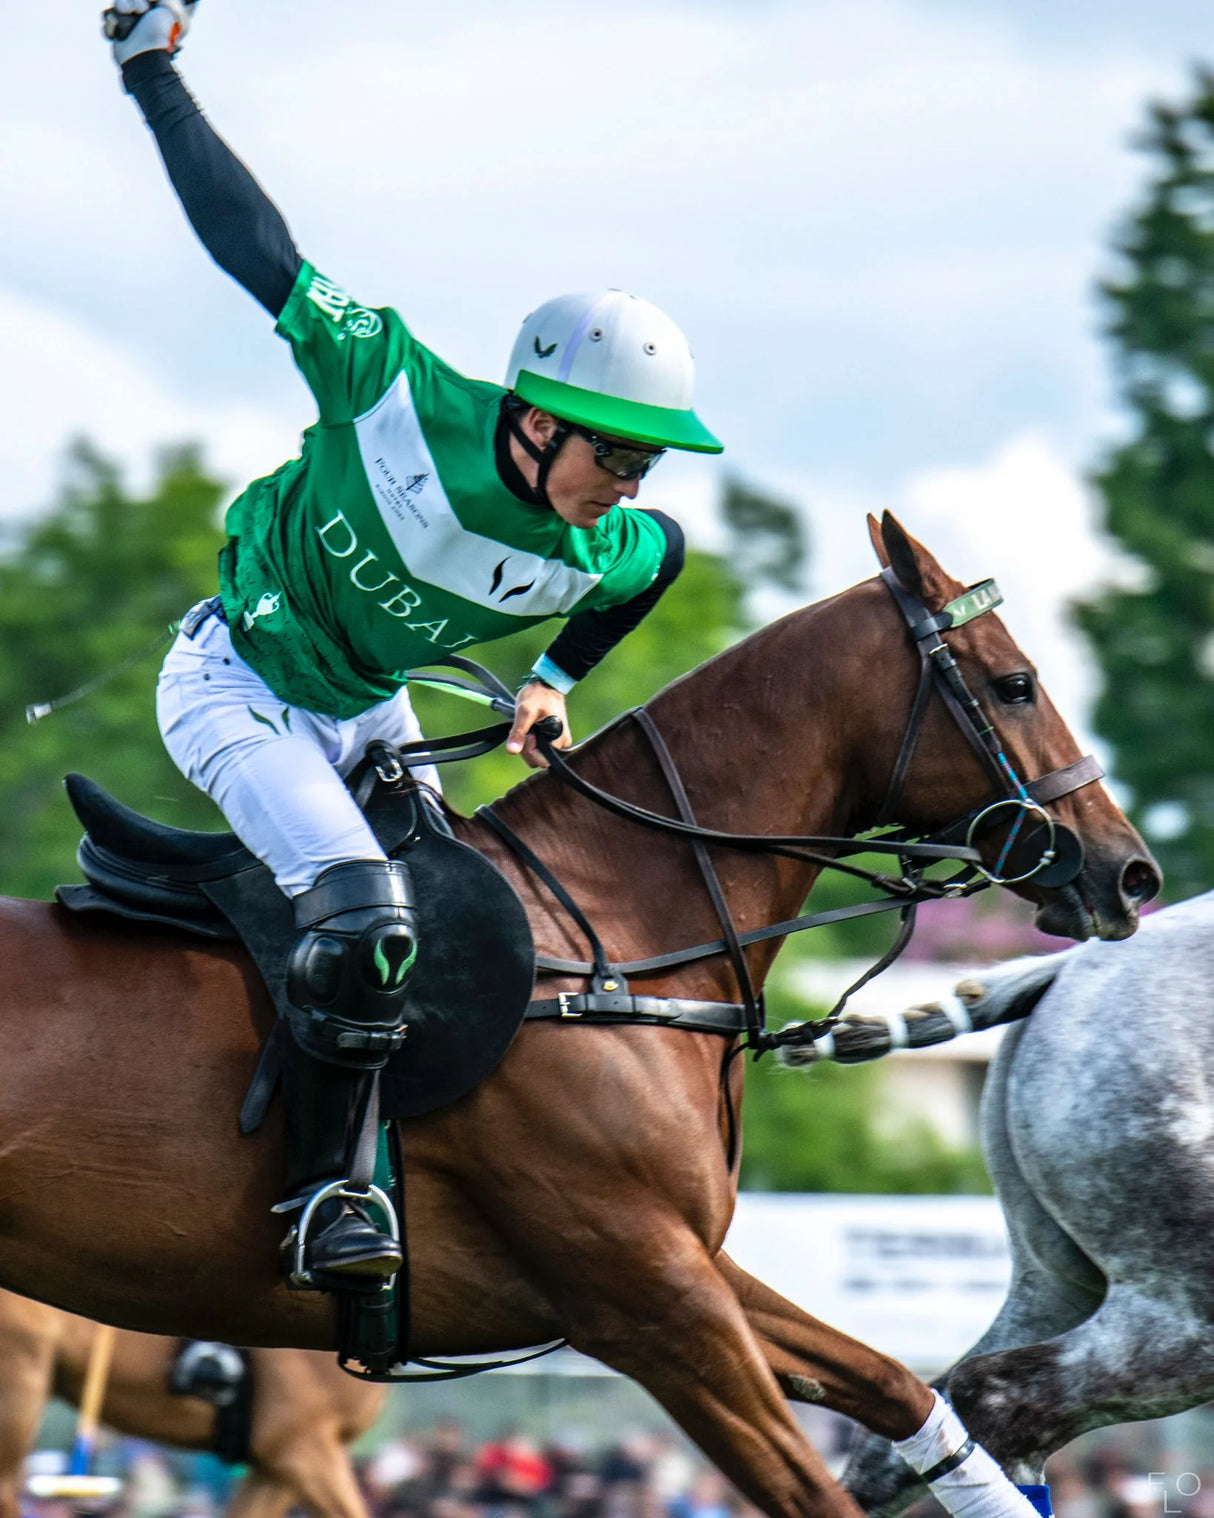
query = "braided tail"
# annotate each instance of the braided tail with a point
(1004, 994)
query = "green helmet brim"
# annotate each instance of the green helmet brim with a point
(660, 426)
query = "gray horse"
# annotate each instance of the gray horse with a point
(1098, 1130)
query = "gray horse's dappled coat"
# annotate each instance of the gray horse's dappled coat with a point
(1098, 1129)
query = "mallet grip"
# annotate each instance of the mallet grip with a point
(118, 27)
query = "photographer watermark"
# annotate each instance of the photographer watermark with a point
(1178, 1488)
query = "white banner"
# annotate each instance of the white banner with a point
(917, 1277)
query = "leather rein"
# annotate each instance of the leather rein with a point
(1035, 846)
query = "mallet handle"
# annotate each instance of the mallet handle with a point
(101, 1352)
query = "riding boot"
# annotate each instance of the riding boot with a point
(346, 984)
(324, 1104)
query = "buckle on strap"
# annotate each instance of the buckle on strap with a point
(575, 1004)
(387, 761)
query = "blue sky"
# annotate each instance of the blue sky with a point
(880, 223)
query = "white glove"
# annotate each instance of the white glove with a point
(145, 26)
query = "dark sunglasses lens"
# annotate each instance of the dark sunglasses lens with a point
(624, 462)
(629, 464)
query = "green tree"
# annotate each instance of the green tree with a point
(768, 543)
(1154, 640)
(84, 588)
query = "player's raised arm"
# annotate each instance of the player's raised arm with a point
(236, 222)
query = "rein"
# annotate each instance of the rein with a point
(1055, 853)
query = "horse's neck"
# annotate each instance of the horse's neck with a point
(760, 737)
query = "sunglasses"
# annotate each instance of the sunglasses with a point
(626, 461)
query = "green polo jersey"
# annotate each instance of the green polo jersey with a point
(392, 540)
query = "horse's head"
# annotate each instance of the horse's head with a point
(1020, 791)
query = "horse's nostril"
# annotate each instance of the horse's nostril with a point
(1141, 881)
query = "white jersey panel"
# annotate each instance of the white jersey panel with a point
(430, 538)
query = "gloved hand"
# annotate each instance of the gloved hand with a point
(535, 701)
(144, 26)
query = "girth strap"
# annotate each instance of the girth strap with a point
(729, 1018)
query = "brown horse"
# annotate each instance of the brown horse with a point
(583, 1190)
(305, 1411)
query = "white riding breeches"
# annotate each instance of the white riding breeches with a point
(273, 770)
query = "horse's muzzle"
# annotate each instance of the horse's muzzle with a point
(1103, 901)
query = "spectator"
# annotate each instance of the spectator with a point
(512, 1470)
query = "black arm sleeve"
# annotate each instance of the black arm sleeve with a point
(591, 635)
(238, 225)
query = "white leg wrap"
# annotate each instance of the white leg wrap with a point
(957, 1013)
(973, 1488)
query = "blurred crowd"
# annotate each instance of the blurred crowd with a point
(446, 1474)
(643, 1475)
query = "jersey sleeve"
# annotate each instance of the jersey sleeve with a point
(639, 547)
(350, 355)
(589, 636)
(238, 225)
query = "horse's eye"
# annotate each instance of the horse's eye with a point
(1015, 690)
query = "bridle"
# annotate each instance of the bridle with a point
(1059, 858)
(1037, 847)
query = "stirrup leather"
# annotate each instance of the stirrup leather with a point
(300, 1275)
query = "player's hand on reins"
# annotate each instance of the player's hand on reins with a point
(145, 26)
(534, 702)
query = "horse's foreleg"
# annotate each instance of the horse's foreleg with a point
(1039, 1305)
(808, 1357)
(680, 1331)
(816, 1363)
(260, 1496)
(306, 1412)
(29, 1358)
(314, 1474)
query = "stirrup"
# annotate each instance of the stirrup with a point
(299, 1274)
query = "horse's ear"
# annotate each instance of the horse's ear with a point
(901, 553)
(914, 568)
(874, 533)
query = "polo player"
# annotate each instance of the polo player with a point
(427, 512)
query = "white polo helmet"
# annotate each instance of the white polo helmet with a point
(612, 362)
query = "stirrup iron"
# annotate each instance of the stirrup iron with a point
(299, 1274)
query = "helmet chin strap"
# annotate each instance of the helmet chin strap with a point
(545, 457)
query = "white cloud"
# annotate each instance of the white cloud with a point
(60, 378)
(885, 212)
(1023, 515)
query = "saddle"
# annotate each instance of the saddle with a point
(475, 967)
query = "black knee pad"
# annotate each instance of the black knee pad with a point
(348, 974)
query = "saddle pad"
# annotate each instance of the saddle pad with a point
(475, 967)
